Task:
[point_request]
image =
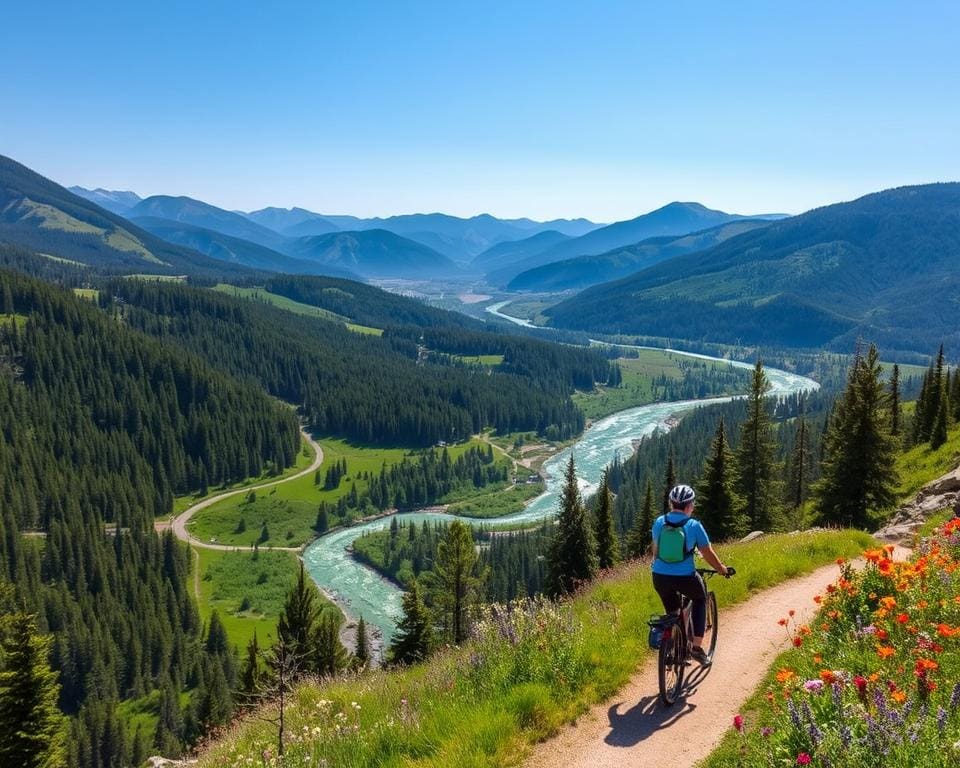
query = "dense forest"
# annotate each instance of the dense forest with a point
(99, 427)
(366, 388)
(512, 562)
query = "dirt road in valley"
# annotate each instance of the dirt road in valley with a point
(634, 730)
(179, 523)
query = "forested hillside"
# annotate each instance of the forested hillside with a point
(38, 214)
(866, 268)
(99, 427)
(367, 388)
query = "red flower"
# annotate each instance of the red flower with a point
(803, 759)
(738, 723)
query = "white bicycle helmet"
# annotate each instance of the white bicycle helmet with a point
(681, 495)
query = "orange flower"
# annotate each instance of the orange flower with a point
(817, 599)
(888, 602)
(898, 696)
(828, 676)
(885, 651)
(817, 659)
(885, 567)
(785, 675)
(945, 630)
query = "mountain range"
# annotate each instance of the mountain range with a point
(883, 267)
(42, 216)
(584, 271)
(673, 219)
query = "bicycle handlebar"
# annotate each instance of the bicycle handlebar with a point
(711, 572)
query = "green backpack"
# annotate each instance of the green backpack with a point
(672, 546)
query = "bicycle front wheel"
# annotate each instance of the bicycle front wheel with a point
(710, 635)
(670, 666)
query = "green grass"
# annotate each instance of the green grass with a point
(226, 578)
(365, 329)
(304, 459)
(144, 712)
(290, 509)
(87, 293)
(920, 464)
(487, 360)
(497, 503)
(637, 387)
(485, 705)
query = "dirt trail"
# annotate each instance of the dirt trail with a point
(179, 523)
(634, 729)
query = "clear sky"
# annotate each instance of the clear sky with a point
(541, 109)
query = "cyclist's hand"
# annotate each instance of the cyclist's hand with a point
(729, 571)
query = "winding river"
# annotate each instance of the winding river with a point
(361, 591)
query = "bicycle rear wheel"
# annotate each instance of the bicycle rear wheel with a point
(670, 666)
(710, 635)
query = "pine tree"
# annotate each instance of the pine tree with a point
(669, 481)
(938, 435)
(362, 652)
(640, 535)
(329, 655)
(605, 533)
(896, 414)
(955, 394)
(413, 640)
(572, 558)
(454, 583)
(718, 506)
(31, 726)
(251, 673)
(859, 475)
(800, 465)
(756, 475)
(298, 620)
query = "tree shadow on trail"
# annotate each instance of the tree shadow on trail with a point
(628, 727)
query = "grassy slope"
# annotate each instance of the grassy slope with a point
(636, 388)
(438, 714)
(290, 510)
(304, 459)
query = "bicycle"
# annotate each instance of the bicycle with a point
(676, 633)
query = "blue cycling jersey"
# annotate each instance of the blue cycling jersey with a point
(696, 537)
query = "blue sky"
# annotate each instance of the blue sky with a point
(541, 109)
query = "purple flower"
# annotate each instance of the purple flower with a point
(813, 686)
(955, 697)
(941, 719)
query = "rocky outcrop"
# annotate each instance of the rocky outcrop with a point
(163, 762)
(942, 493)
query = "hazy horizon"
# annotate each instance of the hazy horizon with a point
(542, 111)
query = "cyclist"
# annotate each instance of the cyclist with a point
(676, 535)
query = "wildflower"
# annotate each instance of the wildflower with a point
(885, 651)
(861, 684)
(766, 732)
(797, 641)
(803, 759)
(898, 696)
(955, 697)
(782, 622)
(828, 676)
(888, 602)
(902, 618)
(813, 686)
(941, 719)
(738, 723)
(791, 613)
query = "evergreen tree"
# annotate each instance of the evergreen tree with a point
(329, 655)
(717, 504)
(362, 652)
(297, 623)
(31, 726)
(413, 640)
(938, 435)
(669, 481)
(454, 583)
(896, 414)
(756, 473)
(955, 394)
(640, 535)
(572, 559)
(605, 533)
(323, 519)
(800, 465)
(251, 672)
(859, 476)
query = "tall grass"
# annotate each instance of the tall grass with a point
(530, 667)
